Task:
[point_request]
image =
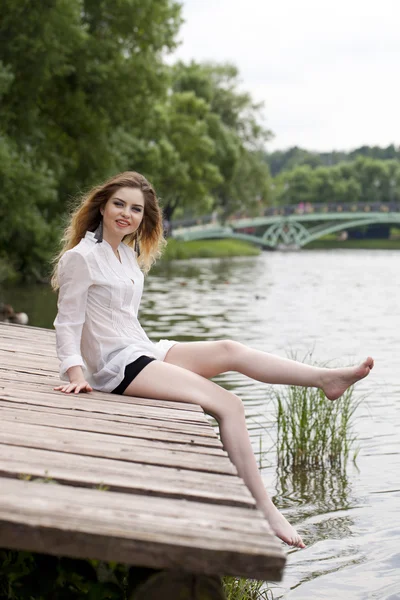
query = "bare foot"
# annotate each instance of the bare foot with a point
(336, 381)
(281, 527)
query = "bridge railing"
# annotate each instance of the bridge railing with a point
(294, 209)
(332, 207)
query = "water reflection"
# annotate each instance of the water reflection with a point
(324, 489)
(321, 500)
(39, 302)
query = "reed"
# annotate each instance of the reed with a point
(311, 430)
(245, 589)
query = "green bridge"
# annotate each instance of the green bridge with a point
(290, 227)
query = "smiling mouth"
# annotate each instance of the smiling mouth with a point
(122, 223)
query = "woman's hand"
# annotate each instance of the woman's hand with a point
(77, 382)
(74, 386)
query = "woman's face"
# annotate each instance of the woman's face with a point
(123, 213)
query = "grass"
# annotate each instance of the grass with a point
(313, 431)
(208, 249)
(245, 589)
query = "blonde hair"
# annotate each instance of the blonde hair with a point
(87, 216)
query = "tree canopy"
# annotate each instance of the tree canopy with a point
(286, 160)
(362, 180)
(78, 83)
(234, 122)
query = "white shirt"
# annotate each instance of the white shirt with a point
(96, 325)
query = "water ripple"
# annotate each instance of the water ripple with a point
(342, 306)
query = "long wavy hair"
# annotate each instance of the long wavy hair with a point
(86, 217)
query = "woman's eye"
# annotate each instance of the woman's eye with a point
(118, 203)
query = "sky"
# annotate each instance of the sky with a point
(327, 71)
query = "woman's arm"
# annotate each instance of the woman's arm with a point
(75, 280)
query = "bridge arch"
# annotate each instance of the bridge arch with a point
(292, 229)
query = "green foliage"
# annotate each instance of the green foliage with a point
(235, 125)
(208, 249)
(286, 160)
(363, 180)
(79, 80)
(311, 430)
(179, 159)
(245, 589)
(27, 193)
(29, 576)
(33, 576)
(83, 69)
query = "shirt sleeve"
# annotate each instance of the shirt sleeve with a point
(74, 281)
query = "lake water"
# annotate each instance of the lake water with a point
(341, 305)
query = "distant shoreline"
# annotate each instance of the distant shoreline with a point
(364, 244)
(179, 250)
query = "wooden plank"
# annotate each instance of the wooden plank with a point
(182, 514)
(92, 425)
(175, 534)
(28, 350)
(108, 446)
(26, 370)
(89, 471)
(85, 421)
(9, 359)
(43, 388)
(14, 376)
(28, 345)
(204, 435)
(88, 402)
(25, 331)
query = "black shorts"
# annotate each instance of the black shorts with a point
(131, 371)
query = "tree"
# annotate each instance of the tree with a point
(82, 70)
(179, 158)
(235, 125)
(79, 81)
(286, 160)
(362, 180)
(27, 192)
(295, 186)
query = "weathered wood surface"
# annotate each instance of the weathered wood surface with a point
(135, 480)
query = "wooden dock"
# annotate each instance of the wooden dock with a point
(132, 480)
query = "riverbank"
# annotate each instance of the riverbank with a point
(178, 250)
(365, 244)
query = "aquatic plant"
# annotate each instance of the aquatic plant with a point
(311, 430)
(238, 588)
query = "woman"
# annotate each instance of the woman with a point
(114, 235)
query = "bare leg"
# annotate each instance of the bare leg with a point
(169, 382)
(212, 358)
